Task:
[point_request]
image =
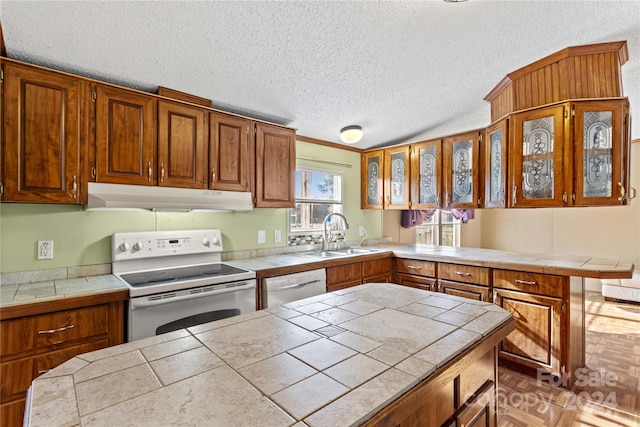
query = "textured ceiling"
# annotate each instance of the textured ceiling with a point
(402, 70)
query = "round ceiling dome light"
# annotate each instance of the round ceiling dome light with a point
(351, 134)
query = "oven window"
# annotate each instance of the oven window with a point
(197, 319)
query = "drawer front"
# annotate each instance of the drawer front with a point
(413, 282)
(23, 335)
(464, 273)
(16, 377)
(47, 361)
(58, 328)
(531, 283)
(416, 267)
(464, 290)
(378, 267)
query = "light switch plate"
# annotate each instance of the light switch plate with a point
(262, 236)
(277, 236)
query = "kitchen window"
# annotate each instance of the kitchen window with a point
(441, 228)
(318, 193)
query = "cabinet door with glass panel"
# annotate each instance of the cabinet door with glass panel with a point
(536, 152)
(601, 150)
(462, 170)
(495, 164)
(372, 163)
(426, 174)
(396, 177)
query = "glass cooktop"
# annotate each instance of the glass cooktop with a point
(180, 274)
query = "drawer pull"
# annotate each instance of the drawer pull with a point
(43, 371)
(53, 331)
(526, 282)
(413, 267)
(460, 273)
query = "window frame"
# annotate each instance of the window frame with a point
(330, 202)
(437, 225)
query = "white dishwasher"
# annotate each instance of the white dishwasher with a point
(296, 286)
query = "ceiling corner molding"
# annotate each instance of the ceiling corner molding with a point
(327, 143)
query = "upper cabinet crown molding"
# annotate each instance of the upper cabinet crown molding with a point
(589, 71)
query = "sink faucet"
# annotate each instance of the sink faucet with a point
(326, 238)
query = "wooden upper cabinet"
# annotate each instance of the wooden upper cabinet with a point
(371, 171)
(125, 137)
(42, 135)
(426, 174)
(537, 150)
(396, 177)
(275, 166)
(182, 145)
(495, 153)
(462, 170)
(229, 161)
(601, 150)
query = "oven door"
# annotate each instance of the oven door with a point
(160, 313)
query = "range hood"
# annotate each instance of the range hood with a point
(165, 198)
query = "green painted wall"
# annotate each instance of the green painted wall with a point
(84, 237)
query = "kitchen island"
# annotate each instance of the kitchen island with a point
(368, 354)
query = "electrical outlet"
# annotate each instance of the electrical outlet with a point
(277, 236)
(45, 249)
(361, 231)
(262, 236)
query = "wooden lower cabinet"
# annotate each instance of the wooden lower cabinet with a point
(416, 273)
(536, 342)
(548, 310)
(376, 271)
(32, 342)
(475, 292)
(357, 273)
(462, 392)
(344, 276)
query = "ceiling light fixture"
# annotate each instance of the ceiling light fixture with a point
(455, 1)
(351, 134)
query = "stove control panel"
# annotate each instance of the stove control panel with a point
(151, 244)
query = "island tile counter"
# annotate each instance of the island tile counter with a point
(333, 359)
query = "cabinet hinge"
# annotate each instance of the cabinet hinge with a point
(255, 130)
(1, 76)
(573, 197)
(573, 112)
(94, 95)
(566, 114)
(564, 197)
(1, 188)
(205, 118)
(563, 369)
(247, 129)
(564, 307)
(479, 137)
(93, 171)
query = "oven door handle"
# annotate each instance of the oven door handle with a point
(143, 302)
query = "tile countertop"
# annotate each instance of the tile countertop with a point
(566, 265)
(25, 293)
(333, 359)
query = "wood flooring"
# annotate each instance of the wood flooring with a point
(608, 395)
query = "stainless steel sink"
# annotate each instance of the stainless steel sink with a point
(339, 252)
(356, 251)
